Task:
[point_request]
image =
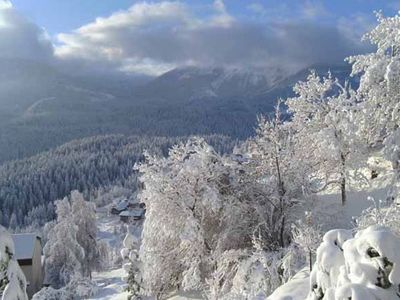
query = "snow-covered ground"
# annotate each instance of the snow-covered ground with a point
(112, 230)
(111, 286)
(359, 195)
(110, 283)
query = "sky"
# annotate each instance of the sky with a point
(152, 37)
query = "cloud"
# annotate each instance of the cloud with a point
(151, 38)
(222, 18)
(257, 8)
(356, 26)
(314, 9)
(20, 38)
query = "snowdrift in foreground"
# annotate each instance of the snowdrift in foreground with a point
(12, 280)
(363, 267)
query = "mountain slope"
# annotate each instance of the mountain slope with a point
(42, 108)
(29, 186)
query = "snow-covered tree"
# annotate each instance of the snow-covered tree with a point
(132, 266)
(380, 77)
(197, 207)
(12, 280)
(63, 253)
(272, 162)
(325, 118)
(307, 235)
(379, 89)
(71, 246)
(84, 217)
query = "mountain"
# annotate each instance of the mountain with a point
(41, 107)
(192, 83)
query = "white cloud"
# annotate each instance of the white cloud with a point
(314, 9)
(152, 38)
(355, 26)
(148, 37)
(20, 38)
(222, 18)
(257, 8)
(5, 4)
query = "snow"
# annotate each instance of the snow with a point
(132, 213)
(16, 286)
(296, 289)
(363, 267)
(328, 203)
(6, 243)
(186, 296)
(110, 283)
(107, 227)
(122, 205)
(111, 286)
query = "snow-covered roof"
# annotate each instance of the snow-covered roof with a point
(24, 245)
(131, 213)
(122, 205)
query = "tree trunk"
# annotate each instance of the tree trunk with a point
(282, 233)
(343, 182)
(281, 193)
(310, 257)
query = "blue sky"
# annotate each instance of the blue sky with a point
(65, 15)
(152, 37)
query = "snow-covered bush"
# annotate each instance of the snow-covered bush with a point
(307, 236)
(242, 274)
(49, 293)
(330, 259)
(12, 280)
(364, 267)
(258, 276)
(132, 265)
(381, 213)
(81, 287)
(78, 288)
(220, 281)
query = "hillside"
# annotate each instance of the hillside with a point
(29, 186)
(47, 109)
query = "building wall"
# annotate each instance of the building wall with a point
(28, 275)
(34, 272)
(37, 269)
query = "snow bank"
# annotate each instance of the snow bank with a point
(363, 267)
(296, 289)
(10, 271)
